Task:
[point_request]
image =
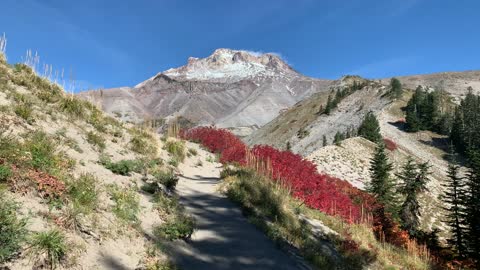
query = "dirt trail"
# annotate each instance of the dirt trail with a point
(224, 239)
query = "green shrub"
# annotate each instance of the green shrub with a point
(25, 111)
(96, 140)
(127, 205)
(168, 179)
(177, 149)
(42, 151)
(122, 167)
(139, 145)
(252, 191)
(51, 244)
(167, 205)
(5, 173)
(10, 148)
(12, 229)
(142, 142)
(73, 106)
(227, 171)
(177, 227)
(83, 193)
(173, 162)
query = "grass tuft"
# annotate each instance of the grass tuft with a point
(96, 140)
(83, 193)
(51, 244)
(176, 149)
(127, 205)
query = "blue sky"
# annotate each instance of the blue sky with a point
(111, 43)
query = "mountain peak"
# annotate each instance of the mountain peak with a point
(228, 64)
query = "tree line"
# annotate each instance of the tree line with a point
(435, 111)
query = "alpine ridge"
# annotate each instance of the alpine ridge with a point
(234, 89)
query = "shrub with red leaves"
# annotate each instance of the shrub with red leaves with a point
(389, 144)
(48, 186)
(221, 141)
(318, 191)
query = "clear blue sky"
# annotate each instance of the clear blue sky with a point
(110, 43)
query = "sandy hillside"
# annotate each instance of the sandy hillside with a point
(52, 144)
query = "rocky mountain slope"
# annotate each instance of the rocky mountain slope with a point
(302, 129)
(233, 89)
(303, 126)
(455, 83)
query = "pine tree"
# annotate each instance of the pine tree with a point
(473, 206)
(395, 88)
(414, 179)
(456, 134)
(412, 122)
(413, 110)
(289, 146)
(329, 106)
(324, 140)
(370, 128)
(454, 199)
(382, 184)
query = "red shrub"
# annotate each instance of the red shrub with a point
(221, 141)
(318, 191)
(389, 144)
(48, 186)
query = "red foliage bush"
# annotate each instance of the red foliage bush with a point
(318, 191)
(221, 141)
(389, 144)
(48, 186)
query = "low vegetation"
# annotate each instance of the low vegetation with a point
(122, 167)
(126, 204)
(50, 245)
(142, 142)
(39, 126)
(96, 139)
(176, 149)
(83, 193)
(177, 225)
(12, 228)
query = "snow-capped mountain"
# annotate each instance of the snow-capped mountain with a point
(229, 65)
(234, 89)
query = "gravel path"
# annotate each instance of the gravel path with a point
(224, 239)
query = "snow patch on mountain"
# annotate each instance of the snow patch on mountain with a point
(231, 65)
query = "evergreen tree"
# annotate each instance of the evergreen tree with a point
(456, 134)
(289, 146)
(339, 136)
(329, 106)
(324, 140)
(473, 206)
(370, 128)
(412, 122)
(428, 111)
(382, 185)
(395, 88)
(454, 200)
(414, 179)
